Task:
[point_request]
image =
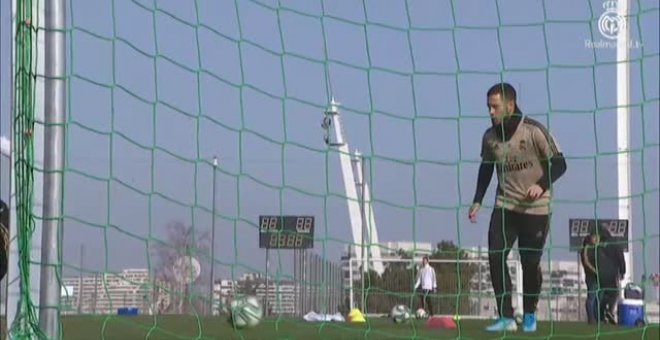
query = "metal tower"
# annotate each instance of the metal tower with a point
(363, 222)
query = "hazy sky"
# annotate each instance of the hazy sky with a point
(155, 93)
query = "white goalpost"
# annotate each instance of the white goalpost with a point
(623, 131)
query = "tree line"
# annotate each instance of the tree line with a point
(381, 292)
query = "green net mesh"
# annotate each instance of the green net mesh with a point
(26, 323)
(158, 91)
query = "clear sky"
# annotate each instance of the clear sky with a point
(157, 88)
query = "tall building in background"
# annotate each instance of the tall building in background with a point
(107, 292)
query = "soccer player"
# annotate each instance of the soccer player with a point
(588, 258)
(611, 269)
(426, 284)
(528, 161)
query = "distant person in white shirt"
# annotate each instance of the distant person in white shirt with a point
(426, 283)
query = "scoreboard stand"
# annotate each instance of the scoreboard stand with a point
(287, 232)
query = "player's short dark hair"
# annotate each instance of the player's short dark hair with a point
(426, 257)
(506, 90)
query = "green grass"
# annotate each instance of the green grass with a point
(190, 327)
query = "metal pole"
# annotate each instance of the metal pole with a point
(55, 106)
(96, 292)
(327, 290)
(480, 308)
(316, 282)
(351, 304)
(267, 303)
(339, 291)
(333, 290)
(296, 307)
(557, 307)
(319, 283)
(301, 285)
(312, 282)
(303, 280)
(303, 270)
(327, 281)
(333, 285)
(364, 224)
(212, 278)
(323, 303)
(80, 278)
(579, 272)
(330, 286)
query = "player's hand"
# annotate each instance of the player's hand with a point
(534, 192)
(472, 214)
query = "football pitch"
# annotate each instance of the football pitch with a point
(190, 327)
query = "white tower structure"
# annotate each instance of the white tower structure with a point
(362, 221)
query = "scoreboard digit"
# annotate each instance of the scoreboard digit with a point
(267, 223)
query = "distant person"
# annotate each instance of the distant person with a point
(528, 161)
(4, 238)
(588, 258)
(426, 284)
(611, 267)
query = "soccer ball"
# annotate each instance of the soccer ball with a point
(421, 313)
(400, 314)
(246, 312)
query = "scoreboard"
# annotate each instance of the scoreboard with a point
(286, 232)
(579, 228)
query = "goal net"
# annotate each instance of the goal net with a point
(355, 125)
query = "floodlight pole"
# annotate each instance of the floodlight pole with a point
(211, 284)
(359, 160)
